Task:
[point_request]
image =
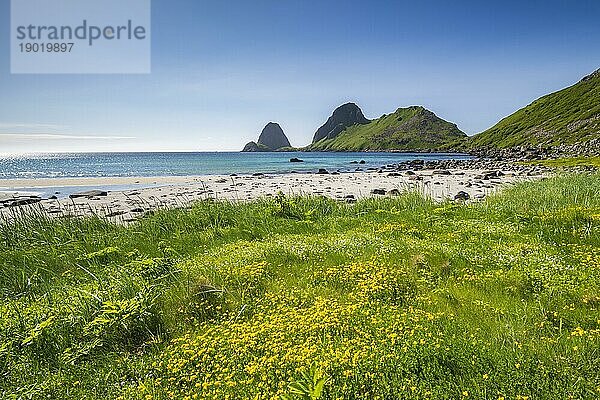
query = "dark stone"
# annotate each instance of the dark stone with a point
(462, 196)
(22, 201)
(362, 162)
(394, 192)
(137, 210)
(380, 192)
(323, 171)
(296, 160)
(115, 214)
(441, 172)
(89, 193)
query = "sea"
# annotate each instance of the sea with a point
(84, 165)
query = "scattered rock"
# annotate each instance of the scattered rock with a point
(296, 160)
(394, 192)
(22, 201)
(380, 192)
(89, 193)
(115, 213)
(462, 196)
(323, 171)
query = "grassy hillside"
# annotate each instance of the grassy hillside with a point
(412, 128)
(569, 116)
(388, 298)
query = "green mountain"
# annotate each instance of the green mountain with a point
(566, 117)
(407, 129)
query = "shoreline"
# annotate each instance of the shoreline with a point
(8, 184)
(444, 180)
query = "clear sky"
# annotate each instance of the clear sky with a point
(222, 69)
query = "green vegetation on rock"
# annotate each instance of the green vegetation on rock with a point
(407, 129)
(567, 117)
(387, 298)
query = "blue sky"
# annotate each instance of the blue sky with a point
(222, 70)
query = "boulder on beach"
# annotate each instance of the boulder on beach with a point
(462, 196)
(22, 201)
(89, 193)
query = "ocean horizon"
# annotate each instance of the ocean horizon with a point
(149, 164)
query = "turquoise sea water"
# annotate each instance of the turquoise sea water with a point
(79, 165)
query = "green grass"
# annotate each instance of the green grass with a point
(569, 162)
(387, 298)
(568, 116)
(412, 128)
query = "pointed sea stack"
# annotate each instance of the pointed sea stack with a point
(272, 138)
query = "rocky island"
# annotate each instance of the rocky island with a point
(272, 138)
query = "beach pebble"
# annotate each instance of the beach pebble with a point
(462, 196)
(380, 192)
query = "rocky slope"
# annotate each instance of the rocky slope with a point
(408, 129)
(569, 119)
(343, 117)
(272, 138)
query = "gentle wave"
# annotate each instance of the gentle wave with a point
(82, 165)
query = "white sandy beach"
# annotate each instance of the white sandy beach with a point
(181, 191)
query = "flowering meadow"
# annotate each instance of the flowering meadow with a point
(309, 298)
